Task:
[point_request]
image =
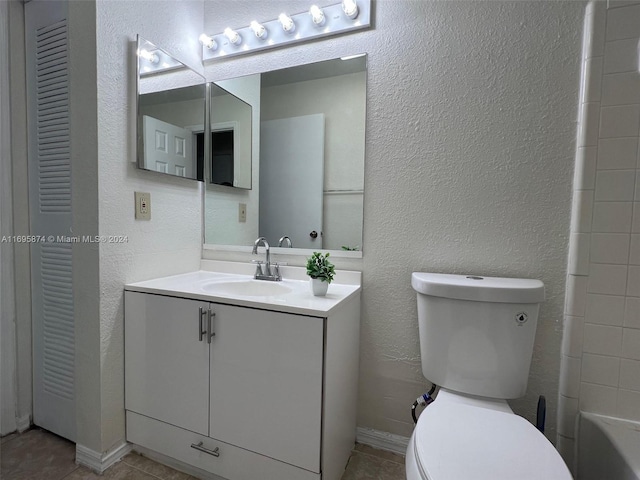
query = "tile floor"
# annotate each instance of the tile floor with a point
(40, 455)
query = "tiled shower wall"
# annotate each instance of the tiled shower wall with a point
(600, 369)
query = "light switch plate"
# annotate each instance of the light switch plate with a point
(143, 205)
(242, 212)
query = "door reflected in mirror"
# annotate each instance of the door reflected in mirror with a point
(308, 159)
(170, 115)
(230, 120)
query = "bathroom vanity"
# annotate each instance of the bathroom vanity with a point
(243, 378)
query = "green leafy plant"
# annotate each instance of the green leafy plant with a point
(318, 266)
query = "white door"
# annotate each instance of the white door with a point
(168, 148)
(266, 383)
(167, 363)
(291, 149)
(49, 158)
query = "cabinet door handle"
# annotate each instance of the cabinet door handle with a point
(201, 329)
(198, 446)
(210, 332)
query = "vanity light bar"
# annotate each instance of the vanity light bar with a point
(154, 60)
(343, 17)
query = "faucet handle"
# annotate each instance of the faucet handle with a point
(259, 265)
(276, 271)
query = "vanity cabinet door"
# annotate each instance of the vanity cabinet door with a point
(167, 365)
(266, 383)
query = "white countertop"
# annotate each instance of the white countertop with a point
(299, 299)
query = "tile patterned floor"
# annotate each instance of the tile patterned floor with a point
(40, 455)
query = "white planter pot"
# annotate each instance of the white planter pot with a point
(318, 287)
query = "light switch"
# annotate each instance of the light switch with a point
(143, 205)
(242, 212)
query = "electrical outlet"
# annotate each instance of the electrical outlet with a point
(242, 212)
(143, 205)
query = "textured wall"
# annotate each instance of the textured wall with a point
(7, 303)
(601, 343)
(470, 140)
(171, 242)
(20, 179)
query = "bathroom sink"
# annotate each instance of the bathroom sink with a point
(246, 288)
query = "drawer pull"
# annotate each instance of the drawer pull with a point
(198, 446)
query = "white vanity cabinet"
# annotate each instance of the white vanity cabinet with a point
(167, 367)
(266, 383)
(242, 393)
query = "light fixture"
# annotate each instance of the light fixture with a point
(208, 42)
(259, 30)
(287, 23)
(149, 56)
(316, 21)
(350, 8)
(317, 15)
(233, 36)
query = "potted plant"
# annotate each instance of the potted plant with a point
(321, 271)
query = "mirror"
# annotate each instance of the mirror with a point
(170, 114)
(308, 159)
(230, 120)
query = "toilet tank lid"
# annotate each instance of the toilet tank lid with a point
(478, 288)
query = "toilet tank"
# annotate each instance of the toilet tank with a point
(477, 333)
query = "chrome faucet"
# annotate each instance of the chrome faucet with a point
(264, 269)
(288, 241)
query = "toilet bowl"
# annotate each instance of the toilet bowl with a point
(460, 438)
(476, 342)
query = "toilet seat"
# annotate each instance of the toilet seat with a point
(457, 441)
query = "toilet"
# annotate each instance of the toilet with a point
(476, 343)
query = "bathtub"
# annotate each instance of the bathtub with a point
(608, 448)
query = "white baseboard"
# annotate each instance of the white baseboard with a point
(382, 440)
(99, 462)
(23, 423)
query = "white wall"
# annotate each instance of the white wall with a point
(169, 243)
(7, 303)
(22, 271)
(601, 342)
(189, 112)
(470, 139)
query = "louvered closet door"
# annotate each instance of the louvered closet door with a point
(50, 216)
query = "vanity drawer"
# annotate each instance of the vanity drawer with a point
(232, 463)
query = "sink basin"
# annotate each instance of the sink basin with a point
(246, 288)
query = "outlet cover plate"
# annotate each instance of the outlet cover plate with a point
(143, 205)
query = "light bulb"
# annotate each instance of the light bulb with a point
(287, 23)
(149, 56)
(208, 42)
(259, 30)
(233, 36)
(317, 15)
(350, 8)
